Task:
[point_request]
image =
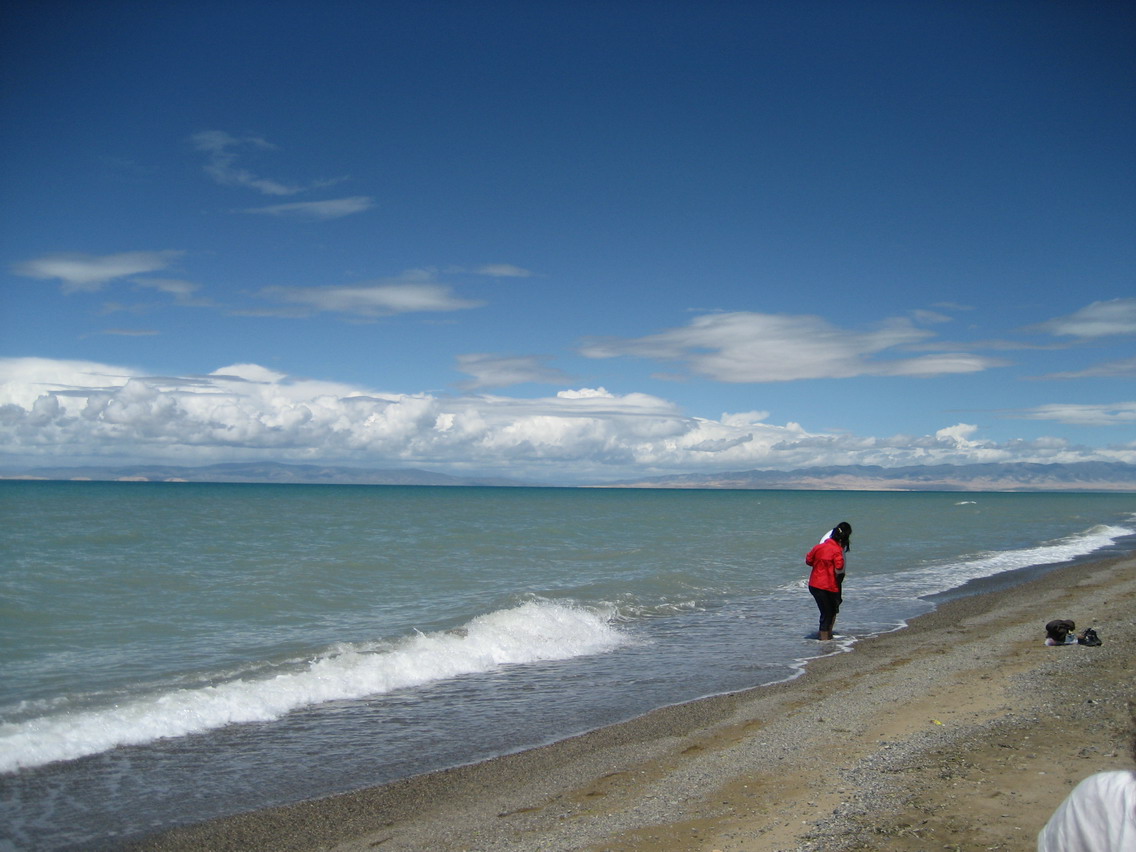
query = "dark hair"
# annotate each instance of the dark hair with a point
(842, 534)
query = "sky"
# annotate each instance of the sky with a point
(567, 242)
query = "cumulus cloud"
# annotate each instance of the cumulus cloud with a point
(249, 373)
(585, 393)
(335, 208)
(754, 347)
(497, 371)
(959, 434)
(55, 411)
(372, 300)
(86, 272)
(1099, 319)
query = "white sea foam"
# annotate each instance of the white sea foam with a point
(940, 578)
(531, 632)
(1061, 550)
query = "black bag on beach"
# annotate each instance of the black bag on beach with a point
(1089, 637)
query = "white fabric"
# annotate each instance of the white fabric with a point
(1098, 816)
(1069, 640)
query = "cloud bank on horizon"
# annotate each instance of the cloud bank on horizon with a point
(565, 262)
(98, 412)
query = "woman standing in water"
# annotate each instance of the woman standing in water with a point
(827, 577)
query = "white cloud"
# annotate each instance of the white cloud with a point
(497, 371)
(24, 380)
(223, 150)
(335, 208)
(372, 300)
(930, 317)
(585, 393)
(1100, 319)
(959, 434)
(491, 270)
(753, 347)
(249, 373)
(1104, 414)
(221, 165)
(503, 270)
(1124, 368)
(940, 364)
(743, 419)
(179, 289)
(183, 292)
(86, 272)
(74, 411)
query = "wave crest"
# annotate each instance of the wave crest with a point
(532, 632)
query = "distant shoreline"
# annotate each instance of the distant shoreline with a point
(1079, 477)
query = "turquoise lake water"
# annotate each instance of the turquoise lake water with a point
(291, 641)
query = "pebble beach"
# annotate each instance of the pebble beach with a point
(961, 731)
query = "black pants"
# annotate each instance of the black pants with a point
(828, 603)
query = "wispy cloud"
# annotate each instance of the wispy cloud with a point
(755, 347)
(335, 208)
(88, 273)
(503, 270)
(1099, 319)
(1122, 369)
(498, 371)
(372, 300)
(1103, 414)
(184, 292)
(223, 150)
(491, 270)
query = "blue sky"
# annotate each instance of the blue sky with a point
(568, 241)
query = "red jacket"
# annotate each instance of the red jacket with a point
(825, 559)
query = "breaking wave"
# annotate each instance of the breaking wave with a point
(533, 632)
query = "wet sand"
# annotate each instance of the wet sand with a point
(962, 731)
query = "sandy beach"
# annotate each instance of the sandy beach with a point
(962, 731)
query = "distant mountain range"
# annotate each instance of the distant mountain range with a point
(1078, 476)
(264, 472)
(1015, 476)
